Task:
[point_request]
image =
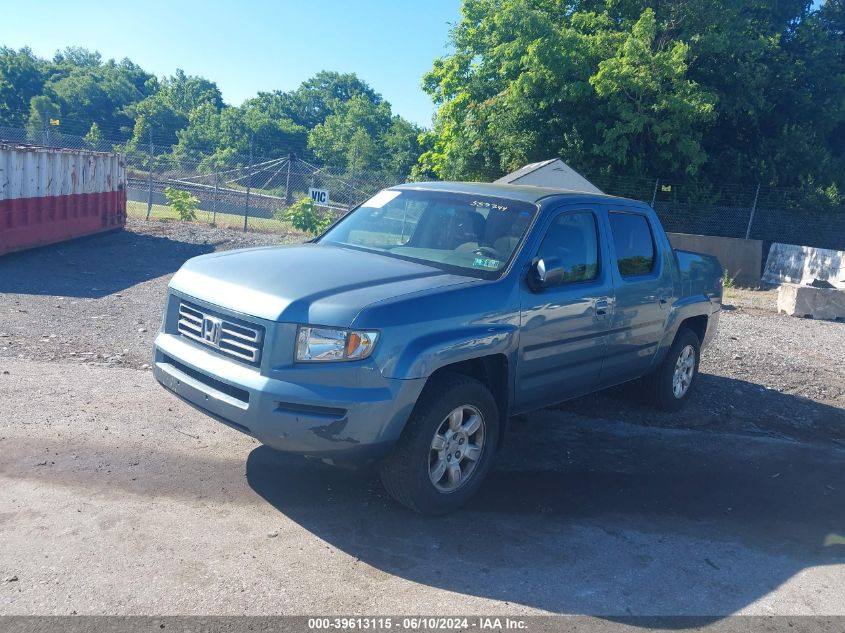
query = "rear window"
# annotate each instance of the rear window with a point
(634, 243)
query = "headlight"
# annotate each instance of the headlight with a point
(327, 344)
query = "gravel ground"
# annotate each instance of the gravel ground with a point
(117, 498)
(751, 299)
(99, 301)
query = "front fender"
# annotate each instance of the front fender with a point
(422, 356)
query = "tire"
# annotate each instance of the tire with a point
(661, 386)
(408, 473)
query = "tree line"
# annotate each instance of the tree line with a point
(333, 118)
(710, 92)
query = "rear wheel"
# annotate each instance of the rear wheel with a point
(447, 446)
(670, 386)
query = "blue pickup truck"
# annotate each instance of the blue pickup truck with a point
(415, 326)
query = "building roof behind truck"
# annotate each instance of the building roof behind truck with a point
(523, 193)
(550, 173)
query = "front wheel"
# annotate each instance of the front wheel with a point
(447, 446)
(670, 386)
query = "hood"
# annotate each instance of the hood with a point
(306, 283)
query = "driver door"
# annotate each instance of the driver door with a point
(564, 328)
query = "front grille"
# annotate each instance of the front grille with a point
(226, 335)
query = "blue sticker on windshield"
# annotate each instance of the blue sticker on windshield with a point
(483, 262)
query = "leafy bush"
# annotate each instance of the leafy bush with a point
(303, 215)
(184, 203)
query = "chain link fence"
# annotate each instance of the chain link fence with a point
(745, 211)
(250, 194)
(253, 193)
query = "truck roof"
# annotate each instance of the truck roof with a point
(523, 193)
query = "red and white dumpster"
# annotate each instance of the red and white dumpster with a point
(49, 194)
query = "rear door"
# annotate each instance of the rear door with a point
(643, 291)
(564, 328)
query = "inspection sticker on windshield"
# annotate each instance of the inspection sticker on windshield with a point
(483, 262)
(380, 199)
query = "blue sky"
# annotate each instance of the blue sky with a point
(252, 45)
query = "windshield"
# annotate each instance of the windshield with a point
(470, 234)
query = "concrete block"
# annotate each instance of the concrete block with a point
(803, 264)
(807, 301)
(741, 258)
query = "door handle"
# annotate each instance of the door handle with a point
(663, 297)
(602, 305)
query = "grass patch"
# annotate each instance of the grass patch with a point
(138, 210)
(159, 212)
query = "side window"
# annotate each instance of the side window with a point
(634, 243)
(573, 237)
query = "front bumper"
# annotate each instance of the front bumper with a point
(314, 417)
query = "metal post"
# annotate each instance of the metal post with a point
(753, 209)
(214, 203)
(287, 181)
(654, 195)
(352, 195)
(248, 183)
(150, 184)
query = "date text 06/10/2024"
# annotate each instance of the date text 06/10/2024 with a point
(417, 623)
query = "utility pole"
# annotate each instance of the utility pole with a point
(753, 209)
(248, 182)
(654, 195)
(150, 183)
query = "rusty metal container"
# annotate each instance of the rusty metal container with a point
(49, 194)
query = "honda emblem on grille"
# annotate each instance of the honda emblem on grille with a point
(211, 329)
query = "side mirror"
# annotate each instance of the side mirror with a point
(545, 273)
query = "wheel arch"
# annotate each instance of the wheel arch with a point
(698, 325)
(493, 371)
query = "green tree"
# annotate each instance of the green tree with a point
(94, 94)
(76, 57)
(318, 97)
(401, 148)
(353, 137)
(94, 137)
(41, 110)
(21, 79)
(166, 112)
(202, 134)
(305, 216)
(187, 121)
(184, 202)
(230, 132)
(723, 90)
(654, 115)
(184, 92)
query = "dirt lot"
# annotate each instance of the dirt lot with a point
(117, 498)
